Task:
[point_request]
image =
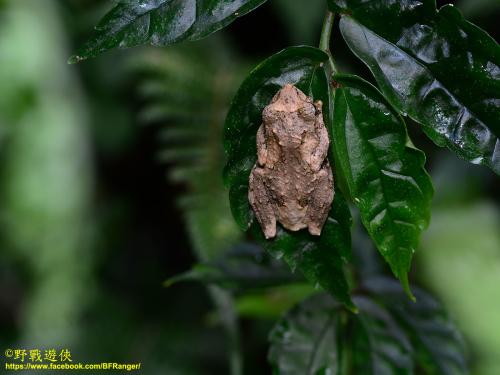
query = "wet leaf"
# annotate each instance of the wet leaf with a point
(318, 337)
(161, 22)
(320, 259)
(385, 176)
(304, 341)
(378, 345)
(390, 335)
(300, 66)
(434, 66)
(439, 346)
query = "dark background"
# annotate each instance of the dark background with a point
(92, 217)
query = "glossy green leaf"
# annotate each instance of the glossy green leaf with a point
(378, 345)
(385, 176)
(300, 66)
(304, 341)
(161, 22)
(320, 259)
(318, 337)
(389, 336)
(438, 345)
(434, 66)
(246, 266)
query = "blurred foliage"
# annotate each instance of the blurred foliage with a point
(186, 89)
(90, 228)
(477, 9)
(46, 173)
(464, 240)
(469, 287)
(301, 18)
(245, 267)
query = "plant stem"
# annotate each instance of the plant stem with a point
(324, 42)
(224, 304)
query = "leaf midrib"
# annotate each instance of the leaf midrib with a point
(140, 16)
(317, 344)
(379, 169)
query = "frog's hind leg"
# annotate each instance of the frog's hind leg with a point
(258, 196)
(320, 201)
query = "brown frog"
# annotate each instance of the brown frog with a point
(292, 180)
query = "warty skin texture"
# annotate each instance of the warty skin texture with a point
(292, 181)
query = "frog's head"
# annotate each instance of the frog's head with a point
(289, 99)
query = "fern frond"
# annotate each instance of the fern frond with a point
(186, 91)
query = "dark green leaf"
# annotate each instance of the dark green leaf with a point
(245, 267)
(161, 22)
(318, 337)
(389, 336)
(385, 177)
(434, 66)
(305, 340)
(319, 259)
(378, 345)
(439, 347)
(300, 66)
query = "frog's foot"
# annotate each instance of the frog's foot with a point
(261, 203)
(269, 231)
(314, 229)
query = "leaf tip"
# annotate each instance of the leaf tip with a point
(352, 307)
(406, 286)
(169, 282)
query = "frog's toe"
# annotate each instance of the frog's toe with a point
(270, 231)
(315, 230)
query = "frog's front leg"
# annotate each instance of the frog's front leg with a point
(261, 147)
(262, 205)
(319, 154)
(321, 200)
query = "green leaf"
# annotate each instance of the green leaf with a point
(318, 337)
(245, 267)
(385, 176)
(320, 259)
(390, 335)
(161, 22)
(439, 346)
(300, 66)
(304, 341)
(378, 345)
(434, 66)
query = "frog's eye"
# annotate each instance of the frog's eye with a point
(269, 115)
(307, 112)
